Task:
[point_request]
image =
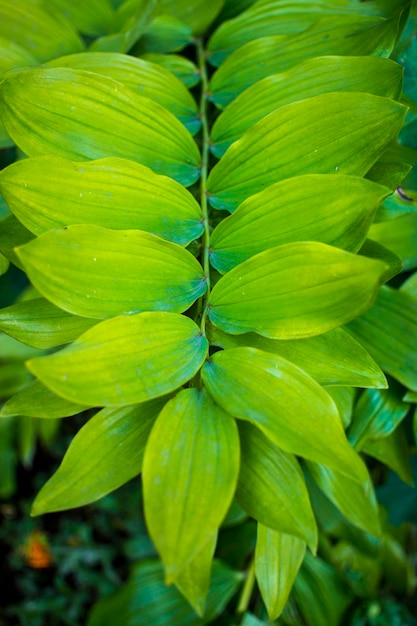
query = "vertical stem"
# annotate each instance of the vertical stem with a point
(204, 173)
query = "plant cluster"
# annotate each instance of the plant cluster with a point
(216, 244)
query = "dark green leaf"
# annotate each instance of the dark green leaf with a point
(12, 234)
(374, 250)
(182, 68)
(394, 452)
(197, 14)
(125, 360)
(399, 236)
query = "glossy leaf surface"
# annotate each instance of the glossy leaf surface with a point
(193, 449)
(381, 77)
(125, 360)
(348, 140)
(81, 115)
(333, 358)
(278, 557)
(294, 291)
(340, 212)
(100, 272)
(284, 402)
(113, 193)
(103, 455)
(271, 487)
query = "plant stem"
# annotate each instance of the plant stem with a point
(247, 590)
(205, 138)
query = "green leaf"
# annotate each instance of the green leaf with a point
(113, 193)
(399, 236)
(14, 55)
(355, 500)
(374, 250)
(294, 291)
(36, 400)
(81, 115)
(103, 455)
(197, 14)
(95, 18)
(341, 210)
(381, 77)
(333, 358)
(389, 332)
(4, 264)
(285, 403)
(12, 234)
(409, 286)
(13, 350)
(271, 487)
(341, 35)
(125, 360)
(320, 593)
(146, 79)
(41, 324)
(193, 449)
(100, 272)
(184, 69)
(377, 414)
(38, 29)
(394, 452)
(165, 34)
(194, 580)
(348, 140)
(278, 558)
(344, 398)
(13, 376)
(145, 599)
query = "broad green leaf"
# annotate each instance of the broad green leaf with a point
(234, 7)
(409, 286)
(133, 17)
(12, 234)
(43, 32)
(278, 18)
(82, 115)
(333, 358)
(348, 140)
(13, 350)
(377, 414)
(391, 168)
(340, 212)
(36, 400)
(41, 324)
(294, 291)
(320, 593)
(197, 14)
(13, 376)
(355, 500)
(4, 264)
(194, 580)
(193, 449)
(389, 332)
(93, 18)
(271, 487)
(125, 360)
(394, 452)
(344, 399)
(399, 235)
(103, 455)
(14, 55)
(184, 69)
(165, 34)
(374, 250)
(278, 558)
(381, 77)
(342, 36)
(100, 272)
(146, 79)
(145, 599)
(285, 403)
(113, 193)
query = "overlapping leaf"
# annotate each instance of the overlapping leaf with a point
(375, 75)
(339, 212)
(284, 402)
(197, 14)
(82, 115)
(294, 291)
(356, 36)
(193, 451)
(95, 18)
(100, 272)
(125, 360)
(399, 236)
(348, 140)
(113, 193)
(36, 400)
